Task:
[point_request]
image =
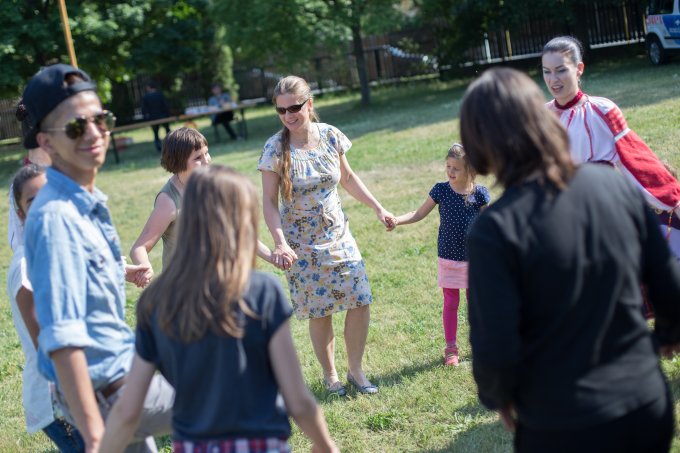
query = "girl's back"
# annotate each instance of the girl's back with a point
(225, 386)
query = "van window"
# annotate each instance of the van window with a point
(661, 7)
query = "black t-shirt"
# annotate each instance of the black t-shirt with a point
(555, 310)
(225, 387)
(154, 106)
(456, 214)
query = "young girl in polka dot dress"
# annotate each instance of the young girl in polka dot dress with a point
(460, 200)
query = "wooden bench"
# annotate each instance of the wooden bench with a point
(240, 107)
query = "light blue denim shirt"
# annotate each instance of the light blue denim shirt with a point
(75, 266)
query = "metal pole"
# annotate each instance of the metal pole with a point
(67, 33)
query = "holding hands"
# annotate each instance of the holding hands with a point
(138, 274)
(386, 218)
(413, 216)
(283, 256)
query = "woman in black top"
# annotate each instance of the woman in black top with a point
(560, 347)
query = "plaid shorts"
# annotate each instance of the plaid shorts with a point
(266, 445)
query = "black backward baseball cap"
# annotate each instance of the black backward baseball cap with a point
(45, 91)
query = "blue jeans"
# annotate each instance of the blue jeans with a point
(65, 436)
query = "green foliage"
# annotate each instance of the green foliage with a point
(287, 35)
(114, 41)
(30, 37)
(276, 33)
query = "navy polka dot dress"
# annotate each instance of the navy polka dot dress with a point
(456, 216)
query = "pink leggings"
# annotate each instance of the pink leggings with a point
(450, 314)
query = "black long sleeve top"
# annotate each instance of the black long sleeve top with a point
(556, 323)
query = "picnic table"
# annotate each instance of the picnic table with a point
(191, 114)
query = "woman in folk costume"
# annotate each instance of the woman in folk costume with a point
(598, 132)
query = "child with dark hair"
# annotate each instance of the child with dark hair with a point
(184, 150)
(37, 391)
(460, 200)
(38, 156)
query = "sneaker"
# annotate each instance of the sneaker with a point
(451, 356)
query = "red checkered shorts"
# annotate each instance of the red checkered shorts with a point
(266, 445)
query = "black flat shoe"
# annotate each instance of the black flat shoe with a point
(369, 389)
(337, 388)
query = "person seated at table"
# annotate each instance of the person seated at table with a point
(155, 107)
(222, 100)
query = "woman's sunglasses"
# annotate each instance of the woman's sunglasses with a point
(292, 109)
(76, 128)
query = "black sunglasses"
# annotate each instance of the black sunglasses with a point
(292, 109)
(75, 128)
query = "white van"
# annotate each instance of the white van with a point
(663, 29)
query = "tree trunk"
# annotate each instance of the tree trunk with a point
(361, 64)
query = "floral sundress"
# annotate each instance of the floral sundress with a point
(329, 275)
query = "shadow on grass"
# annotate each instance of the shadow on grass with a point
(397, 377)
(488, 437)
(319, 391)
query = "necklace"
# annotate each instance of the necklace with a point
(571, 103)
(179, 180)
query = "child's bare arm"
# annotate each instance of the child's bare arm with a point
(299, 401)
(417, 215)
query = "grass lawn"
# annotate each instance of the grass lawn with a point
(399, 147)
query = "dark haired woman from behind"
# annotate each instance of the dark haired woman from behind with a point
(219, 332)
(598, 132)
(560, 347)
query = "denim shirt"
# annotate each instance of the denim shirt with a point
(75, 266)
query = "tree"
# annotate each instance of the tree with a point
(354, 14)
(32, 35)
(289, 33)
(114, 40)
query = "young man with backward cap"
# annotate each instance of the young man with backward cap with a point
(75, 264)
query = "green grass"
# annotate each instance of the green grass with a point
(399, 148)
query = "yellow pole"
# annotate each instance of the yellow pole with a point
(67, 33)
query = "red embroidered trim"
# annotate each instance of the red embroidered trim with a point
(571, 103)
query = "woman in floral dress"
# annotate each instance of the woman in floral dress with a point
(303, 163)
